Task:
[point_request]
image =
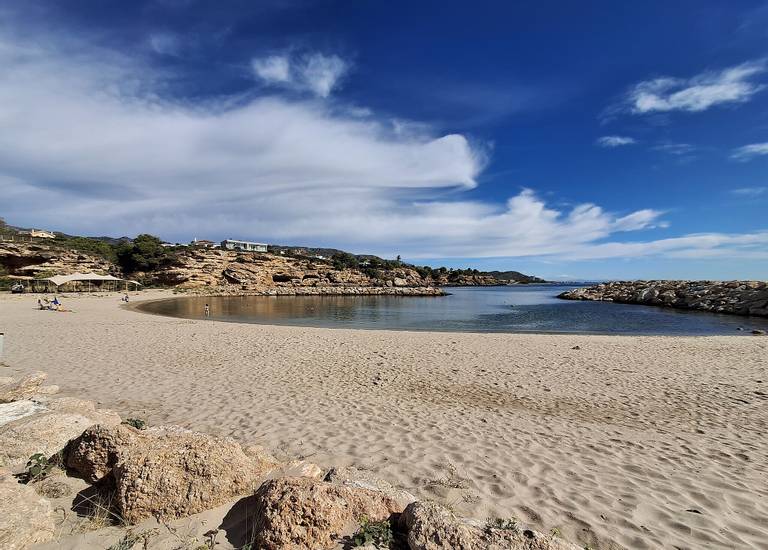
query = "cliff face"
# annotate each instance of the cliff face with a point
(228, 272)
(232, 271)
(43, 260)
(736, 297)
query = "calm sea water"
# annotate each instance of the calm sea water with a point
(530, 308)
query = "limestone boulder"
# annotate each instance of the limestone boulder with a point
(49, 429)
(26, 518)
(22, 389)
(363, 479)
(95, 452)
(430, 526)
(301, 512)
(165, 471)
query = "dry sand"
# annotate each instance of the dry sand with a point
(636, 442)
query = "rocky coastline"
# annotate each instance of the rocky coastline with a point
(234, 290)
(732, 297)
(135, 485)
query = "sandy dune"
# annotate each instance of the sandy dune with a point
(636, 442)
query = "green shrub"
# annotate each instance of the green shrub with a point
(378, 533)
(38, 467)
(137, 423)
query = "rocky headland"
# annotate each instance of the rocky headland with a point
(734, 297)
(227, 272)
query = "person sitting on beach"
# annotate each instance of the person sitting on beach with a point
(55, 304)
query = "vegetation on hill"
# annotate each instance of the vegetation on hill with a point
(146, 254)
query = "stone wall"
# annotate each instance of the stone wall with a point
(735, 297)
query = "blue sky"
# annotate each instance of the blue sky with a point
(564, 139)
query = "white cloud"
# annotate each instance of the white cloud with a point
(615, 141)
(749, 152)
(273, 69)
(749, 191)
(165, 43)
(665, 94)
(322, 73)
(678, 149)
(90, 146)
(317, 73)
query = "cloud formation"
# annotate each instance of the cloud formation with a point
(677, 149)
(615, 141)
(699, 93)
(750, 192)
(316, 73)
(748, 152)
(90, 145)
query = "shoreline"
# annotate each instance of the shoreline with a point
(602, 443)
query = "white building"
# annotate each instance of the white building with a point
(248, 246)
(38, 233)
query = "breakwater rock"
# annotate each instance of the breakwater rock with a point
(234, 290)
(734, 297)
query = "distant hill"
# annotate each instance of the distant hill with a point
(514, 276)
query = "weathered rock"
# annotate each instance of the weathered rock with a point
(165, 471)
(22, 389)
(301, 512)
(25, 517)
(735, 297)
(94, 453)
(430, 526)
(39, 259)
(48, 430)
(362, 479)
(18, 409)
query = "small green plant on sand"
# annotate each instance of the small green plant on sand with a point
(555, 532)
(38, 467)
(378, 533)
(509, 524)
(137, 423)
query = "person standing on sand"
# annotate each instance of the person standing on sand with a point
(207, 311)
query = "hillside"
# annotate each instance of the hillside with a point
(282, 269)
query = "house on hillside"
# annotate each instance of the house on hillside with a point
(38, 234)
(203, 243)
(247, 246)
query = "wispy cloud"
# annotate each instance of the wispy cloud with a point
(677, 149)
(699, 93)
(91, 145)
(317, 73)
(750, 192)
(165, 43)
(615, 141)
(748, 152)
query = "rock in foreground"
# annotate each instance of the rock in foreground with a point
(165, 472)
(735, 297)
(300, 512)
(25, 517)
(433, 527)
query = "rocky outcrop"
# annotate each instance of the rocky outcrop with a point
(231, 271)
(26, 518)
(43, 424)
(44, 260)
(735, 297)
(363, 479)
(300, 512)
(30, 385)
(430, 526)
(164, 472)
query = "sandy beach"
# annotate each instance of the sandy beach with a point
(616, 442)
